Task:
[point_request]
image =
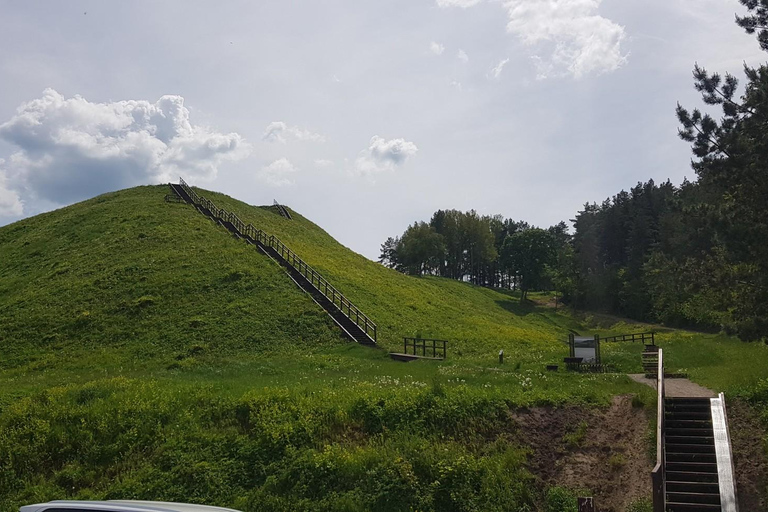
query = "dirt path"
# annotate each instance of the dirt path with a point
(676, 387)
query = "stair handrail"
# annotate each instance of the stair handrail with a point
(658, 476)
(728, 493)
(318, 281)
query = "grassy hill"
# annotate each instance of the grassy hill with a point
(147, 353)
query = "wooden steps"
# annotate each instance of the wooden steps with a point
(353, 323)
(690, 460)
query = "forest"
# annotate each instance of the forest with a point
(693, 255)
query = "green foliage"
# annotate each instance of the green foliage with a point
(641, 505)
(148, 354)
(575, 438)
(560, 499)
(529, 253)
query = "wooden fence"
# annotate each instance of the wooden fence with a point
(436, 348)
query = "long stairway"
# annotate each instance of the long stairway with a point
(353, 323)
(691, 461)
(694, 462)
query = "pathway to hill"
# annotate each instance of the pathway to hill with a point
(352, 322)
(676, 388)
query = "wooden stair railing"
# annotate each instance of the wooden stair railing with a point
(282, 210)
(354, 322)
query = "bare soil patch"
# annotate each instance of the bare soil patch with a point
(604, 450)
(748, 455)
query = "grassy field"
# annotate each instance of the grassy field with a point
(146, 353)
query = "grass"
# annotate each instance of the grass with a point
(149, 354)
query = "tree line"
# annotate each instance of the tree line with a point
(484, 250)
(694, 255)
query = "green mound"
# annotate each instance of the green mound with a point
(146, 353)
(147, 281)
(156, 285)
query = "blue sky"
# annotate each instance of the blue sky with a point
(362, 115)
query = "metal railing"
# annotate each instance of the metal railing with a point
(435, 346)
(658, 476)
(318, 281)
(641, 336)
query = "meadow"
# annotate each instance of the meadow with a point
(146, 353)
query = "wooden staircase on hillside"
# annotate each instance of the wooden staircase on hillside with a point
(282, 210)
(353, 323)
(694, 462)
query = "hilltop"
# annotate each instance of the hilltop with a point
(149, 282)
(148, 353)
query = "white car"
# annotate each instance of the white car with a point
(120, 506)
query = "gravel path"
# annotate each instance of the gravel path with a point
(676, 387)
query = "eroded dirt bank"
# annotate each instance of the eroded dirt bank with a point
(748, 456)
(610, 451)
(605, 450)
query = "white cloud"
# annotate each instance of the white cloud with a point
(462, 56)
(384, 155)
(457, 85)
(579, 41)
(278, 131)
(278, 172)
(10, 202)
(323, 163)
(496, 71)
(457, 3)
(71, 149)
(436, 48)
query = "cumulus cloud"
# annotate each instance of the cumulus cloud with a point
(10, 202)
(278, 172)
(71, 149)
(436, 48)
(457, 3)
(384, 155)
(462, 56)
(278, 131)
(322, 163)
(576, 38)
(496, 71)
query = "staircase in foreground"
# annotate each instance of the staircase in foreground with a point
(694, 467)
(691, 461)
(353, 323)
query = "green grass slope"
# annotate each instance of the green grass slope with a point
(474, 319)
(127, 280)
(146, 353)
(156, 286)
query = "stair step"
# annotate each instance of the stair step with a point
(696, 423)
(691, 467)
(691, 476)
(689, 448)
(694, 497)
(696, 487)
(689, 432)
(690, 439)
(688, 415)
(681, 407)
(691, 507)
(690, 457)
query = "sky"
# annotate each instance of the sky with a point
(364, 116)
